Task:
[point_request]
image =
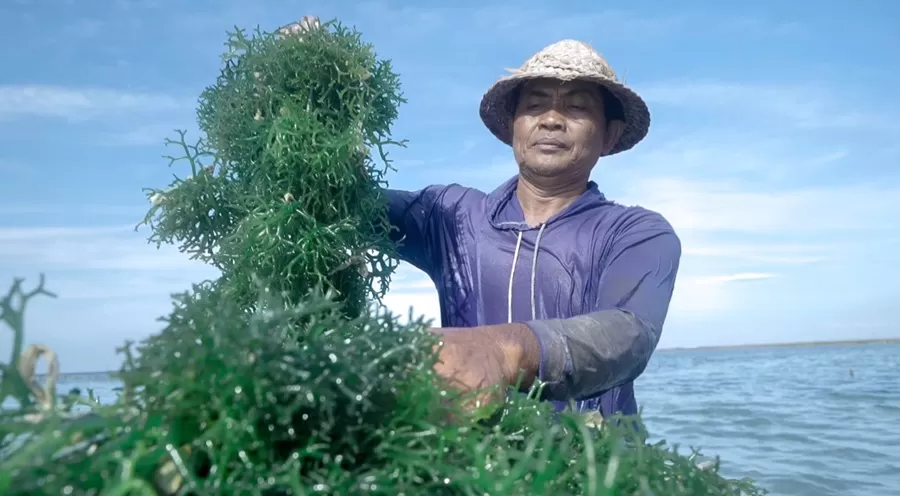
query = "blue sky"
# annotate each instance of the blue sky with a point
(772, 151)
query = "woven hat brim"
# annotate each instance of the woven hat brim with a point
(498, 107)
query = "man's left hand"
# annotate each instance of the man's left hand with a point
(487, 358)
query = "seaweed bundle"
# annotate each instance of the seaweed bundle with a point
(283, 375)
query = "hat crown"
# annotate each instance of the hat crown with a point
(569, 59)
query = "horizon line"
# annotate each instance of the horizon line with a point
(787, 344)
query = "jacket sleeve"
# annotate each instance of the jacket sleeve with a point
(585, 355)
(418, 219)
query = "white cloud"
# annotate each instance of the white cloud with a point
(13, 234)
(762, 252)
(13, 210)
(423, 303)
(728, 278)
(113, 262)
(411, 289)
(536, 23)
(110, 285)
(80, 103)
(528, 23)
(148, 135)
(731, 206)
(692, 299)
(807, 106)
(88, 248)
(702, 297)
(755, 155)
(132, 286)
(411, 285)
(98, 263)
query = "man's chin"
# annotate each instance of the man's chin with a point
(547, 169)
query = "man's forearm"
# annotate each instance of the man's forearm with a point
(582, 356)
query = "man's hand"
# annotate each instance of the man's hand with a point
(489, 358)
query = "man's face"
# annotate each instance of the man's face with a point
(560, 129)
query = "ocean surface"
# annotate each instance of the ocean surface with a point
(813, 421)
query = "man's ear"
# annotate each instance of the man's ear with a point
(613, 132)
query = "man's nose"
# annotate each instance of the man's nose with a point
(552, 121)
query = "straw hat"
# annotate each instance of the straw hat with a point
(565, 60)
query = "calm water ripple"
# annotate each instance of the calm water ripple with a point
(817, 421)
(805, 421)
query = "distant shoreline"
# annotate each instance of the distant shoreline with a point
(801, 344)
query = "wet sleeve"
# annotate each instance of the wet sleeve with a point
(417, 219)
(585, 355)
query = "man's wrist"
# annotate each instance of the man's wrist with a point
(521, 353)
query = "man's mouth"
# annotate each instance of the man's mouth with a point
(549, 144)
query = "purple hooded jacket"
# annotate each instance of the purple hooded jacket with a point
(593, 282)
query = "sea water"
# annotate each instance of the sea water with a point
(815, 420)
(811, 421)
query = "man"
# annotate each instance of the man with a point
(544, 277)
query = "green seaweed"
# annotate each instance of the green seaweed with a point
(284, 375)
